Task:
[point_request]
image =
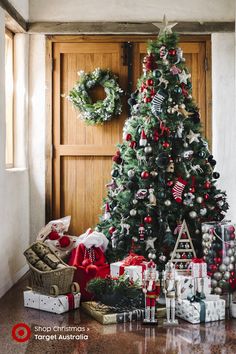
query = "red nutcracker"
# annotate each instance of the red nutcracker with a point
(151, 290)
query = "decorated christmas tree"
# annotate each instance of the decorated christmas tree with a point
(163, 172)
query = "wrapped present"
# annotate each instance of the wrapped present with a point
(186, 286)
(198, 268)
(59, 304)
(190, 285)
(197, 310)
(103, 314)
(133, 266)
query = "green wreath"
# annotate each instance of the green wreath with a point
(102, 110)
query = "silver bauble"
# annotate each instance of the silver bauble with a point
(135, 201)
(205, 251)
(197, 232)
(170, 99)
(203, 211)
(205, 228)
(203, 243)
(217, 276)
(133, 212)
(131, 173)
(230, 252)
(167, 202)
(218, 291)
(232, 244)
(153, 173)
(230, 267)
(222, 268)
(232, 259)
(193, 214)
(185, 144)
(226, 276)
(208, 244)
(177, 255)
(150, 255)
(213, 283)
(154, 256)
(148, 149)
(226, 260)
(199, 200)
(206, 237)
(182, 105)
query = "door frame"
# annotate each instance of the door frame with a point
(51, 39)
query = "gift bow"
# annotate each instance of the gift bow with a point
(198, 260)
(199, 297)
(133, 259)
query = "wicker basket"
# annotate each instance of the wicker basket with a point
(54, 282)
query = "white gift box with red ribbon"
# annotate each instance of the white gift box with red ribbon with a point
(59, 304)
(198, 268)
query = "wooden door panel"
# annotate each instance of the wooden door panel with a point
(81, 164)
(82, 154)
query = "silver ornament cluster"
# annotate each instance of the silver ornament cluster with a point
(221, 273)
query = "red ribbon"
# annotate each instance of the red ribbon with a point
(71, 301)
(133, 259)
(121, 270)
(198, 260)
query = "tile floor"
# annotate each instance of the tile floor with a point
(128, 338)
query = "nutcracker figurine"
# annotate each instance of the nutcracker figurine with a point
(171, 290)
(151, 291)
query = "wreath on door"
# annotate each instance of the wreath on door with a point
(102, 110)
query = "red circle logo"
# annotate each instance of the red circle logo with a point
(21, 332)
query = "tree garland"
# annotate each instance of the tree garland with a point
(102, 110)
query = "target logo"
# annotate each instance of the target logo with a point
(21, 332)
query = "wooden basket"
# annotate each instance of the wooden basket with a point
(54, 282)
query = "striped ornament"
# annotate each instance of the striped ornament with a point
(156, 104)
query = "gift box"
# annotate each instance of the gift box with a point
(190, 286)
(133, 266)
(198, 268)
(103, 314)
(59, 304)
(200, 310)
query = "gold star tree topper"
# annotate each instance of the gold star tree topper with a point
(165, 26)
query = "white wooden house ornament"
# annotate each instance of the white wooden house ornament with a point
(184, 238)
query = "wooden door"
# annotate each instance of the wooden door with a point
(81, 163)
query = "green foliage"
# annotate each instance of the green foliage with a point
(102, 110)
(168, 129)
(116, 292)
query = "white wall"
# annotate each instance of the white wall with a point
(131, 10)
(22, 6)
(14, 197)
(37, 129)
(224, 122)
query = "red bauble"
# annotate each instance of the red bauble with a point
(143, 86)
(64, 241)
(207, 185)
(217, 260)
(165, 145)
(53, 235)
(111, 230)
(231, 228)
(153, 92)
(192, 190)
(128, 137)
(231, 281)
(92, 270)
(148, 219)
(206, 196)
(133, 144)
(209, 274)
(117, 159)
(155, 135)
(213, 267)
(170, 183)
(172, 52)
(145, 175)
(149, 82)
(232, 236)
(183, 256)
(232, 274)
(86, 262)
(147, 99)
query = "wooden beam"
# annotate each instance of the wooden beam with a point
(14, 21)
(125, 27)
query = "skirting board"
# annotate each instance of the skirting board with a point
(5, 287)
